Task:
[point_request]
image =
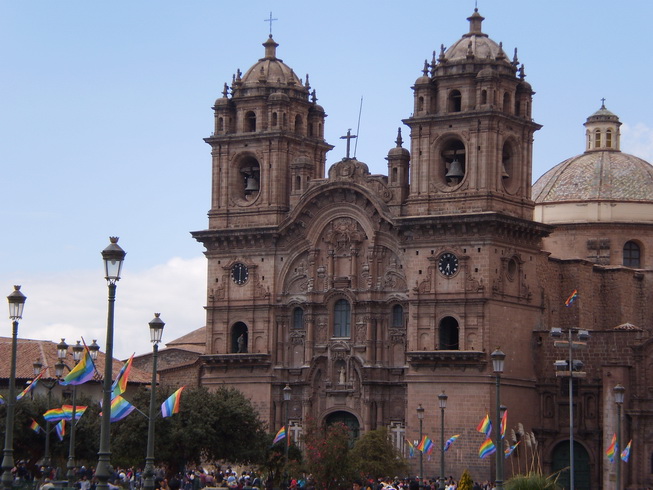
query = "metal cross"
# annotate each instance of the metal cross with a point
(349, 137)
(270, 20)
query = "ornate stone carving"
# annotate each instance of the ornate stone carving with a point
(297, 337)
(343, 234)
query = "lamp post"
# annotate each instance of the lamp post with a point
(113, 257)
(420, 417)
(156, 332)
(78, 351)
(619, 400)
(58, 373)
(498, 358)
(16, 303)
(287, 391)
(442, 401)
(573, 369)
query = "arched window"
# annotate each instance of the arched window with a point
(275, 119)
(420, 104)
(608, 139)
(506, 103)
(631, 255)
(342, 319)
(449, 334)
(220, 124)
(298, 183)
(455, 101)
(239, 338)
(297, 318)
(597, 138)
(483, 97)
(250, 122)
(397, 316)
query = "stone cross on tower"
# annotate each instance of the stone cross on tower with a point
(348, 137)
(270, 20)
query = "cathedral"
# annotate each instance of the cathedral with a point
(338, 295)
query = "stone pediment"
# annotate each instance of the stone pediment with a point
(351, 170)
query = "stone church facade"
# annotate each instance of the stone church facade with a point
(368, 295)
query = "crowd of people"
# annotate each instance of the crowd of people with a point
(415, 484)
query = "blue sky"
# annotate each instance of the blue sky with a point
(103, 107)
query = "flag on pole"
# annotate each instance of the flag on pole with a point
(68, 411)
(60, 428)
(504, 423)
(280, 435)
(485, 426)
(171, 405)
(120, 384)
(411, 449)
(425, 445)
(30, 386)
(572, 297)
(486, 448)
(625, 454)
(81, 373)
(35, 426)
(509, 450)
(54, 415)
(450, 441)
(120, 408)
(612, 449)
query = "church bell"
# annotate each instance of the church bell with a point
(455, 170)
(252, 185)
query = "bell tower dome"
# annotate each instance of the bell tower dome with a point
(267, 143)
(471, 131)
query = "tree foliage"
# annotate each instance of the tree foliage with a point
(375, 456)
(532, 481)
(466, 482)
(327, 450)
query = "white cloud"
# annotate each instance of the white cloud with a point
(638, 140)
(75, 304)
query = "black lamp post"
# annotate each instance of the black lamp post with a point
(420, 417)
(58, 372)
(287, 392)
(156, 332)
(16, 303)
(498, 358)
(113, 257)
(619, 400)
(442, 401)
(78, 352)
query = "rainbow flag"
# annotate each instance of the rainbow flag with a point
(171, 405)
(612, 449)
(572, 298)
(280, 435)
(54, 415)
(81, 373)
(486, 449)
(411, 449)
(504, 423)
(68, 411)
(60, 428)
(35, 426)
(510, 449)
(120, 384)
(425, 445)
(450, 441)
(485, 426)
(30, 386)
(120, 408)
(2, 400)
(625, 454)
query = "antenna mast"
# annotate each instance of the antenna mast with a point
(358, 128)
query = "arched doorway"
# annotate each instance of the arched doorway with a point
(581, 465)
(345, 418)
(239, 338)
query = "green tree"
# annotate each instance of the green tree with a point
(327, 451)
(466, 482)
(375, 456)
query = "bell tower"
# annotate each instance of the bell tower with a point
(471, 131)
(267, 144)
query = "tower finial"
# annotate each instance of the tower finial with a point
(270, 20)
(603, 103)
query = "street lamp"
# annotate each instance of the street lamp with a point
(156, 332)
(78, 352)
(287, 391)
(420, 417)
(442, 401)
(619, 400)
(498, 358)
(58, 372)
(16, 303)
(571, 368)
(113, 257)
